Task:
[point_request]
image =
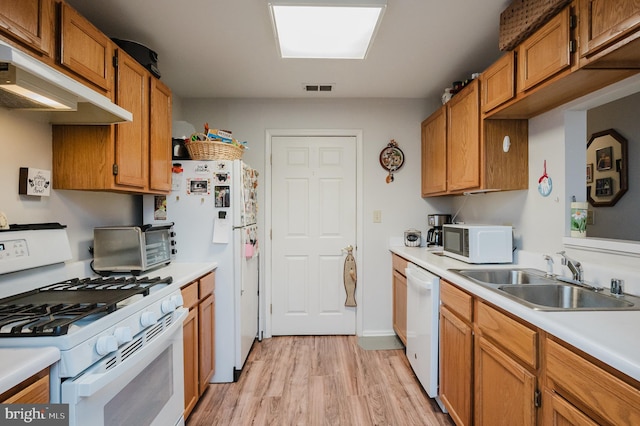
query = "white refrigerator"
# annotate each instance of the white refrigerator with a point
(213, 205)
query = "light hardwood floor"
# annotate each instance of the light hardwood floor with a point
(319, 380)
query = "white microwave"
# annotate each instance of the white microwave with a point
(478, 243)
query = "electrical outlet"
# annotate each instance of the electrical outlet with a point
(591, 217)
(377, 216)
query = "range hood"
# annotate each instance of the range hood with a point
(28, 84)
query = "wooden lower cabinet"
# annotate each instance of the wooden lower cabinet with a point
(486, 359)
(206, 349)
(199, 339)
(504, 389)
(456, 366)
(34, 390)
(497, 369)
(558, 412)
(596, 391)
(190, 337)
(399, 297)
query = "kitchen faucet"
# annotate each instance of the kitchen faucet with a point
(576, 269)
(574, 266)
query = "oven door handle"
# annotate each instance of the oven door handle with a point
(89, 384)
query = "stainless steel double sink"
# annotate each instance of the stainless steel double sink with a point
(532, 288)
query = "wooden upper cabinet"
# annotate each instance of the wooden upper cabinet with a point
(498, 82)
(608, 26)
(160, 137)
(463, 139)
(30, 22)
(545, 53)
(132, 138)
(85, 50)
(434, 153)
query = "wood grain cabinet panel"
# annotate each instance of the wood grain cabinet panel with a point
(29, 22)
(498, 82)
(434, 153)
(34, 390)
(458, 300)
(545, 53)
(463, 139)
(461, 152)
(456, 366)
(159, 137)
(603, 396)
(558, 412)
(400, 305)
(517, 338)
(131, 157)
(132, 138)
(190, 339)
(85, 50)
(610, 32)
(199, 339)
(504, 390)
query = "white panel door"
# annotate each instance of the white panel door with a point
(313, 219)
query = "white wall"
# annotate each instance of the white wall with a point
(26, 142)
(380, 120)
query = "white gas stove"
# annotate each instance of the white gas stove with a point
(116, 335)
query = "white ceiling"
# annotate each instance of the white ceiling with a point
(226, 48)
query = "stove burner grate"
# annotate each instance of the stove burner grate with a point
(50, 310)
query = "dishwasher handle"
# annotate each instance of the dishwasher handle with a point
(419, 279)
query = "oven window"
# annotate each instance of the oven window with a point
(145, 396)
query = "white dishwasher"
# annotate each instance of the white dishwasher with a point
(423, 301)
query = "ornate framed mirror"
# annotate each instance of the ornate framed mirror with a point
(607, 172)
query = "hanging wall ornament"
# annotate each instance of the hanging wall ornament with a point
(391, 159)
(544, 183)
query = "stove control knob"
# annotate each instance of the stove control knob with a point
(177, 300)
(148, 318)
(167, 306)
(123, 335)
(106, 345)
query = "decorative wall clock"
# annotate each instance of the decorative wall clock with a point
(391, 159)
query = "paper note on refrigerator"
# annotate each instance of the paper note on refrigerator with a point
(221, 231)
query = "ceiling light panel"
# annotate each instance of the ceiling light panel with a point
(312, 29)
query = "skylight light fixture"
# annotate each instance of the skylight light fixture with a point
(326, 29)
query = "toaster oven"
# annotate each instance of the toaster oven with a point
(132, 249)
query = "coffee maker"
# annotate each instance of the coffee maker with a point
(434, 234)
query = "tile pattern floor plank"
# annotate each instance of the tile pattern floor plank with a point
(319, 380)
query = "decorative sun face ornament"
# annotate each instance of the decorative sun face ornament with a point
(391, 159)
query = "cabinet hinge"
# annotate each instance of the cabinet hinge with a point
(573, 21)
(115, 170)
(572, 46)
(537, 398)
(115, 61)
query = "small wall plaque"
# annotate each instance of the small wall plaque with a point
(34, 182)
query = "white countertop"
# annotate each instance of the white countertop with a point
(183, 273)
(18, 364)
(611, 336)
